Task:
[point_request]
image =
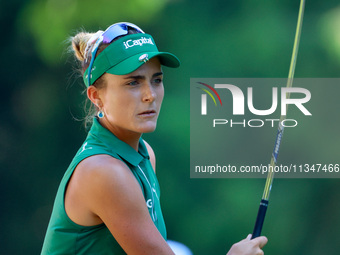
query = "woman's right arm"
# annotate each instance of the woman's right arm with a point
(103, 189)
(106, 188)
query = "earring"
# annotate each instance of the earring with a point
(100, 114)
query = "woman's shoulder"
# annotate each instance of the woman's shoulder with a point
(101, 164)
(97, 183)
(101, 173)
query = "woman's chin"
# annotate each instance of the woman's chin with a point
(148, 128)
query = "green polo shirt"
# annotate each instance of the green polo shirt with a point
(63, 236)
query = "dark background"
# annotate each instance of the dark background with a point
(42, 97)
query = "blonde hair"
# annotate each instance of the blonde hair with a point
(82, 44)
(79, 44)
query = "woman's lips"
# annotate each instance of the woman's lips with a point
(147, 114)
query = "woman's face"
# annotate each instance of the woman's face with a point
(132, 102)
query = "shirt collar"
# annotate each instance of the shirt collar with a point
(121, 148)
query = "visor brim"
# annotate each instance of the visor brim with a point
(132, 63)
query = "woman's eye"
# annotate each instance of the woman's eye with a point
(158, 80)
(133, 83)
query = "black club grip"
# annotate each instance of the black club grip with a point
(260, 218)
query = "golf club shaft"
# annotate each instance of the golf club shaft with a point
(269, 181)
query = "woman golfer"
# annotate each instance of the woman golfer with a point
(108, 200)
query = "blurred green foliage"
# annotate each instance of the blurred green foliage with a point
(51, 21)
(42, 94)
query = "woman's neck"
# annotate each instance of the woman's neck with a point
(129, 137)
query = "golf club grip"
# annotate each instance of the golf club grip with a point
(260, 218)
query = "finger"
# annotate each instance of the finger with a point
(261, 241)
(249, 237)
(260, 252)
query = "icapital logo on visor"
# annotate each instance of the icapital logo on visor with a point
(139, 42)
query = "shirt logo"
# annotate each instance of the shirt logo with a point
(149, 203)
(143, 40)
(83, 148)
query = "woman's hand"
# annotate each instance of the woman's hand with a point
(249, 246)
